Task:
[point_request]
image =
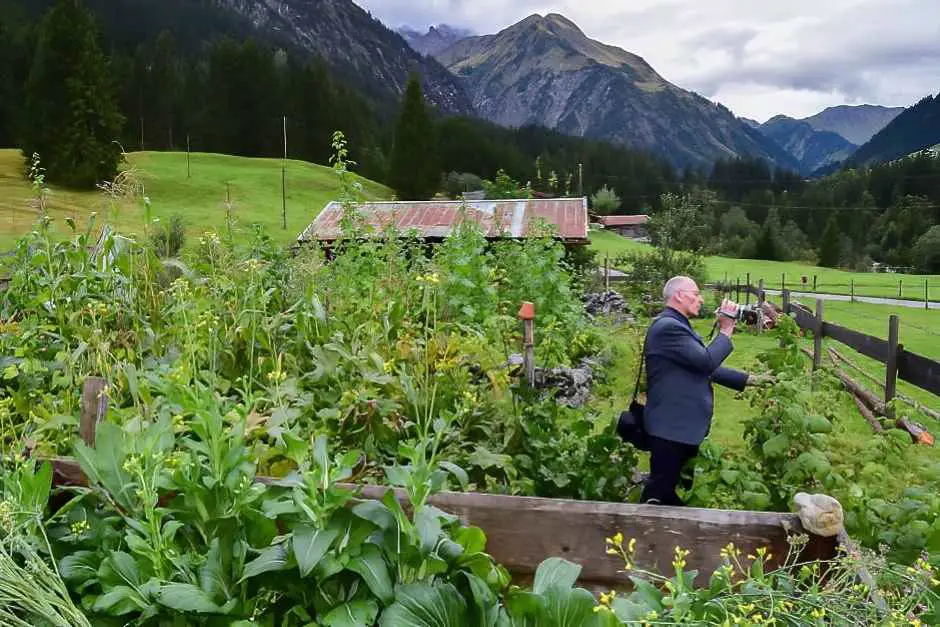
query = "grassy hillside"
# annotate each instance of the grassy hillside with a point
(828, 280)
(254, 184)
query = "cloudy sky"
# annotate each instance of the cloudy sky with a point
(758, 58)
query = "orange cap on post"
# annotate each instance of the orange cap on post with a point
(527, 311)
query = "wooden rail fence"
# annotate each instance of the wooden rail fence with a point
(899, 362)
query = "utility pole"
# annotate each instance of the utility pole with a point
(580, 180)
(189, 171)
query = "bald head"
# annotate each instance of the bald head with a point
(682, 294)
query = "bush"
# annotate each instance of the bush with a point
(605, 201)
(169, 240)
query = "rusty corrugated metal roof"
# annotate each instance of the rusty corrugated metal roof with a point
(624, 220)
(435, 219)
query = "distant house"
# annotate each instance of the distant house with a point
(633, 227)
(434, 220)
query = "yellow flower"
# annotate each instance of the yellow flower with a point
(632, 547)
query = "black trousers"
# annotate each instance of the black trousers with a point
(666, 461)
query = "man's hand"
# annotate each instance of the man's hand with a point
(727, 323)
(755, 380)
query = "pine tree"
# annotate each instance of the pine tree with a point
(830, 244)
(414, 172)
(71, 116)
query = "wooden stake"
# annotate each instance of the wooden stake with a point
(891, 369)
(94, 408)
(607, 272)
(818, 335)
(284, 179)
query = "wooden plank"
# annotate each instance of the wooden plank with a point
(94, 408)
(804, 317)
(867, 345)
(919, 371)
(524, 531)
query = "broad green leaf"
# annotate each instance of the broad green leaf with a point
(36, 488)
(553, 572)
(370, 565)
(353, 614)
(776, 446)
(459, 473)
(79, 566)
(429, 529)
(272, 558)
(818, 424)
(375, 512)
(103, 464)
(647, 594)
(125, 566)
(424, 605)
(472, 539)
(310, 545)
(212, 575)
(569, 607)
(185, 597)
(118, 601)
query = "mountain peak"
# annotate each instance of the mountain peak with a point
(436, 39)
(545, 70)
(857, 123)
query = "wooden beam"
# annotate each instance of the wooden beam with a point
(868, 415)
(867, 345)
(919, 371)
(94, 407)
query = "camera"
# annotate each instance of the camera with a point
(748, 314)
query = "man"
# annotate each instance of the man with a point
(680, 370)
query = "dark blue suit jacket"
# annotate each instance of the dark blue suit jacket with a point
(680, 370)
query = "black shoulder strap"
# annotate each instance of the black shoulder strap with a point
(639, 375)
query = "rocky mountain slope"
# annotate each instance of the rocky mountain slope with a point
(856, 123)
(545, 70)
(357, 46)
(811, 148)
(917, 128)
(436, 39)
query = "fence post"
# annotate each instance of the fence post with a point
(607, 272)
(814, 282)
(748, 289)
(783, 281)
(818, 335)
(900, 282)
(786, 301)
(760, 307)
(853, 290)
(926, 296)
(93, 409)
(527, 315)
(737, 289)
(891, 369)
